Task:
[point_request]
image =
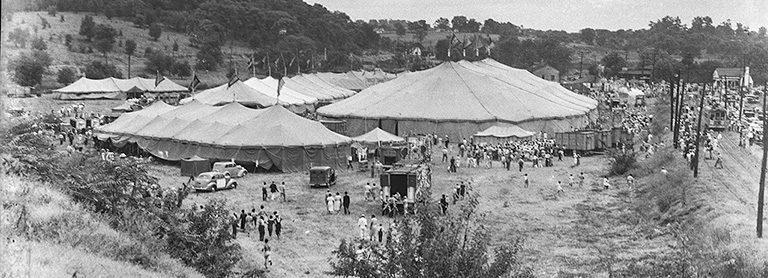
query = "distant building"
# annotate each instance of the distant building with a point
(379, 30)
(545, 71)
(732, 77)
(643, 74)
(416, 51)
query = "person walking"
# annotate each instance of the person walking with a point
(330, 202)
(525, 180)
(272, 190)
(267, 252)
(381, 232)
(373, 228)
(443, 204)
(281, 188)
(559, 187)
(581, 179)
(337, 203)
(719, 162)
(264, 192)
(362, 224)
(462, 190)
(606, 183)
(630, 181)
(452, 167)
(446, 141)
(570, 180)
(270, 224)
(260, 224)
(520, 164)
(242, 220)
(445, 155)
(278, 225)
(345, 202)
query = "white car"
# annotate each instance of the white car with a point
(212, 181)
(231, 168)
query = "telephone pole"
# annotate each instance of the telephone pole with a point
(761, 191)
(698, 132)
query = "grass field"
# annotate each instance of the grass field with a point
(559, 237)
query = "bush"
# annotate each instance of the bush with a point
(148, 51)
(99, 70)
(52, 10)
(66, 76)
(622, 162)
(155, 31)
(181, 69)
(19, 37)
(39, 44)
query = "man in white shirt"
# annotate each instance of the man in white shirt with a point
(362, 223)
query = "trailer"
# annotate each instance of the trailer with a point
(593, 140)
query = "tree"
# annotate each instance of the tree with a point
(459, 23)
(588, 36)
(130, 48)
(155, 31)
(761, 32)
(19, 37)
(99, 70)
(472, 26)
(29, 67)
(159, 61)
(420, 35)
(206, 243)
(175, 46)
(104, 36)
(442, 23)
(613, 63)
(39, 44)
(432, 244)
(400, 29)
(209, 57)
(87, 27)
(66, 76)
(52, 10)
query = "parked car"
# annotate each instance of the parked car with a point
(231, 168)
(212, 181)
(322, 176)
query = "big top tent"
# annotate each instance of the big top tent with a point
(461, 98)
(501, 134)
(296, 101)
(272, 138)
(115, 88)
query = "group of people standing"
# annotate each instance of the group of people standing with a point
(336, 203)
(265, 223)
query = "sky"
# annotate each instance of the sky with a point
(568, 15)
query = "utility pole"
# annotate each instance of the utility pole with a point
(581, 63)
(672, 105)
(698, 131)
(741, 107)
(761, 191)
(677, 111)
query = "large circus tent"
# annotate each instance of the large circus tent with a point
(461, 98)
(272, 138)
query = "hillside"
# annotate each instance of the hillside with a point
(48, 235)
(55, 34)
(433, 36)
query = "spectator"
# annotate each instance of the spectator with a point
(345, 202)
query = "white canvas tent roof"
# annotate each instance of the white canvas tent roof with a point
(378, 135)
(238, 92)
(505, 132)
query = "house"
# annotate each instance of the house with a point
(379, 30)
(643, 74)
(545, 71)
(732, 77)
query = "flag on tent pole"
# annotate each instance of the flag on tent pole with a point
(158, 78)
(195, 82)
(233, 79)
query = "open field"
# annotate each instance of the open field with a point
(566, 233)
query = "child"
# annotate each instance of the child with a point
(525, 182)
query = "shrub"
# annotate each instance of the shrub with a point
(622, 162)
(39, 44)
(52, 10)
(99, 70)
(66, 76)
(155, 31)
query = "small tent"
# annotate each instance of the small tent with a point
(500, 134)
(376, 136)
(193, 166)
